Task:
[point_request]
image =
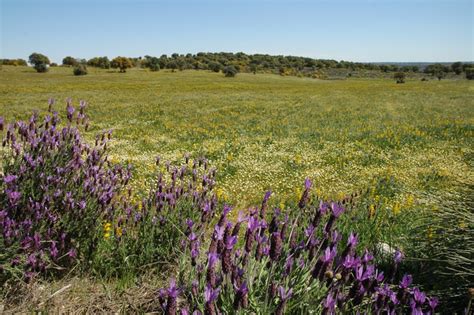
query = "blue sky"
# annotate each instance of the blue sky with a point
(358, 30)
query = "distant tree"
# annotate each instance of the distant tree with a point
(400, 77)
(163, 61)
(437, 70)
(215, 66)
(99, 62)
(80, 69)
(153, 63)
(69, 61)
(281, 70)
(53, 64)
(13, 62)
(469, 73)
(415, 68)
(172, 65)
(122, 63)
(457, 67)
(253, 68)
(229, 71)
(40, 62)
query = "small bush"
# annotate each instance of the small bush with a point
(470, 73)
(400, 77)
(229, 71)
(41, 67)
(80, 70)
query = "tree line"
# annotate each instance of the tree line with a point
(232, 63)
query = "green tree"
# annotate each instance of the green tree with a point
(172, 65)
(437, 70)
(457, 67)
(69, 61)
(122, 63)
(469, 73)
(153, 63)
(40, 62)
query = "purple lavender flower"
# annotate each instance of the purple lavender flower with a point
(419, 296)
(13, 197)
(241, 299)
(433, 302)
(275, 246)
(352, 240)
(398, 257)
(263, 208)
(2, 123)
(329, 304)
(337, 209)
(171, 303)
(9, 179)
(284, 296)
(210, 295)
(406, 281)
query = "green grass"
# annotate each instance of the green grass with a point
(267, 131)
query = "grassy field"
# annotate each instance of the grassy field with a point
(270, 132)
(410, 145)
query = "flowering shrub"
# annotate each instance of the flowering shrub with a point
(53, 190)
(294, 262)
(62, 202)
(150, 233)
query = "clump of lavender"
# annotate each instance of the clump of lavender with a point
(54, 189)
(297, 263)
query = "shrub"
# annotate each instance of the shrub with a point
(229, 71)
(151, 232)
(122, 63)
(53, 191)
(80, 69)
(470, 73)
(215, 66)
(400, 77)
(62, 203)
(292, 263)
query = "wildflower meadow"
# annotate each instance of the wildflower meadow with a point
(187, 193)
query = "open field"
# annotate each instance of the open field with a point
(270, 132)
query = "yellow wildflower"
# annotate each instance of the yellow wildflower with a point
(396, 208)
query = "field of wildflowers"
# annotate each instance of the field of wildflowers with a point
(380, 157)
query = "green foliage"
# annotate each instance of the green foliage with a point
(172, 65)
(469, 73)
(457, 67)
(13, 62)
(400, 77)
(441, 245)
(40, 62)
(80, 69)
(153, 63)
(229, 71)
(437, 70)
(215, 66)
(70, 61)
(122, 63)
(99, 62)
